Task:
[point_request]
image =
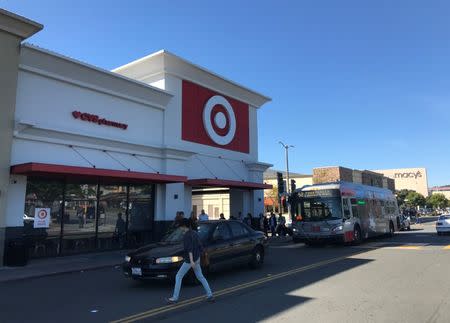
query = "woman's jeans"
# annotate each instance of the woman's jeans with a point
(198, 273)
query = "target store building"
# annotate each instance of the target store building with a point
(101, 160)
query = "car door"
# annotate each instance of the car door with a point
(242, 244)
(220, 249)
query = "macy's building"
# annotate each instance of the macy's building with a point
(99, 160)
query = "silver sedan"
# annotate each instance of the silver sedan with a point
(443, 224)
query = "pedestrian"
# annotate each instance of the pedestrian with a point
(176, 221)
(272, 223)
(192, 250)
(261, 223)
(248, 220)
(232, 217)
(120, 230)
(203, 216)
(281, 227)
(221, 216)
(193, 221)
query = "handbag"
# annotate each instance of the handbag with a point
(204, 257)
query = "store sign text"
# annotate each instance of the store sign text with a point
(408, 175)
(98, 120)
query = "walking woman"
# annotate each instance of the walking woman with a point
(192, 252)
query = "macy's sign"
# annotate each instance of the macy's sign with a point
(408, 175)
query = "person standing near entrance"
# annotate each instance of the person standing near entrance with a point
(192, 250)
(203, 216)
(272, 223)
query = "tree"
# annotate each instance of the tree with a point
(415, 199)
(401, 196)
(438, 201)
(272, 194)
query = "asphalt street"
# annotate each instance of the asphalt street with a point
(400, 279)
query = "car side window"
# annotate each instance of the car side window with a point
(222, 231)
(238, 230)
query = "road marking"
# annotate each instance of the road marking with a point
(408, 247)
(229, 290)
(447, 247)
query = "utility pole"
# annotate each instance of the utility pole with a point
(286, 150)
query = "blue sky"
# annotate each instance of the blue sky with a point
(362, 84)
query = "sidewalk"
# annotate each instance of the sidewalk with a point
(61, 265)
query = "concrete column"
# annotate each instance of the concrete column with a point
(13, 29)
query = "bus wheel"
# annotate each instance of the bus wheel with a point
(357, 238)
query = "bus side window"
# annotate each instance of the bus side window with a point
(346, 208)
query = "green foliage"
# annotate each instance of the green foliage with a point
(409, 198)
(45, 191)
(438, 201)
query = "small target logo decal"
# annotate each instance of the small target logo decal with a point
(42, 214)
(219, 120)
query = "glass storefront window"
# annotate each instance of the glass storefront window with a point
(43, 242)
(140, 215)
(112, 217)
(96, 217)
(79, 228)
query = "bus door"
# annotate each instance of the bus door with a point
(348, 219)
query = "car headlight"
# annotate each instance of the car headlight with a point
(169, 260)
(338, 228)
(294, 229)
(127, 258)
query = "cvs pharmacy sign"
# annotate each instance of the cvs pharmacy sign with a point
(213, 119)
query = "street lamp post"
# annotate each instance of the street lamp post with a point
(286, 150)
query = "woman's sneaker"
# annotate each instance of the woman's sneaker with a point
(171, 300)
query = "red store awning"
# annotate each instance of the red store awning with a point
(213, 182)
(78, 173)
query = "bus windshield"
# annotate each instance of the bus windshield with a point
(321, 208)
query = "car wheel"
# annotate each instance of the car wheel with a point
(257, 258)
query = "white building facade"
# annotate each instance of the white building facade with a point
(112, 156)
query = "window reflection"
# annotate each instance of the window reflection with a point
(124, 217)
(140, 221)
(80, 226)
(112, 217)
(43, 194)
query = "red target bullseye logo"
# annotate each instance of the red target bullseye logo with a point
(42, 214)
(219, 120)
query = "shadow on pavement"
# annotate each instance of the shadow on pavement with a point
(260, 302)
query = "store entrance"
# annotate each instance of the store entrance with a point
(214, 201)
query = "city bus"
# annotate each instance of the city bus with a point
(342, 212)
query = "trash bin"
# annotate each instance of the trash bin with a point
(16, 253)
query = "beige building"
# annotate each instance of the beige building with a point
(13, 30)
(441, 190)
(408, 178)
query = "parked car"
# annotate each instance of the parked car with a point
(443, 224)
(226, 242)
(405, 223)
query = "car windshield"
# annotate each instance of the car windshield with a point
(320, 209)
(177, 235)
